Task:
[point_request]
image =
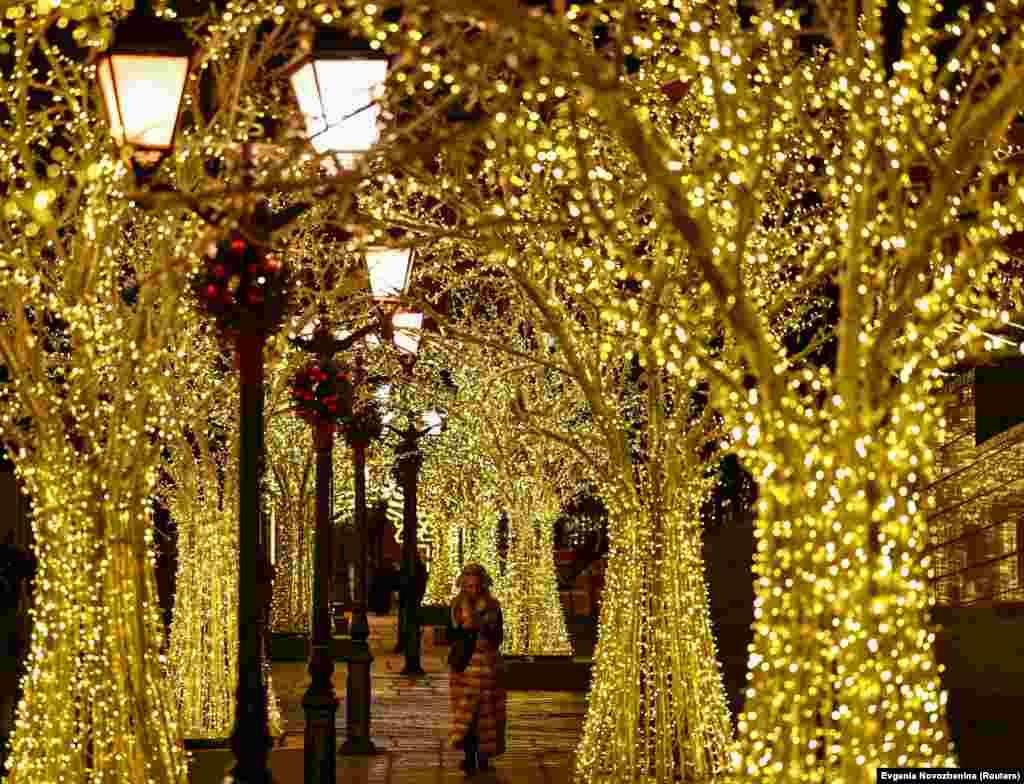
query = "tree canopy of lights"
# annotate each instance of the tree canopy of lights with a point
(724, 171)
(482, 439)
(671, 196)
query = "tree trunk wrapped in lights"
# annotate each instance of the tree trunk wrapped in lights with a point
(672, 723)
(480, 540)
(291, 491)
(90, 711)
(204, 639)
(293, 575)
(841, 608)
(549, 635)
(444, 566)
(534, 618)
(203, 655)
(92, 393)
(527, 585)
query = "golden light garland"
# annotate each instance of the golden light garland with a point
(203, 654)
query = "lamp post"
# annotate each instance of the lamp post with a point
(388, 272)
(360, 659)
(320, 702)
(410, 459)
(142, 82)
(336, 86)
(244, 287)
(326, 396)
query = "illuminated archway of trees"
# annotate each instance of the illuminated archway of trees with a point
(526, 477)
(670, 199)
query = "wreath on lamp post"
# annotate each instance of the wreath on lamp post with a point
(365, 425)
(243, 286)
(322, 392)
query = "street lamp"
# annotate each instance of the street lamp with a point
(409, 462)
(244, 287)
(407, 327)
(142, 81)
(325, 394)
(398, 264)
(407, 332)
(389, 270)
(336, 86)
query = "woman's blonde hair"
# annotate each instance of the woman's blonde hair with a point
(475, 570)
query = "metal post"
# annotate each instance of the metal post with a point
(357, 700)
(344, 595)
(319, 702)
(250, 737)
(409, 463)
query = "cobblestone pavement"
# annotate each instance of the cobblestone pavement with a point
(408, 724)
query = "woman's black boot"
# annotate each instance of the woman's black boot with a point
(469, 765)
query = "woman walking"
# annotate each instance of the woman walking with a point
(477, 701)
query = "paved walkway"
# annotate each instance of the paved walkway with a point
(408, 723)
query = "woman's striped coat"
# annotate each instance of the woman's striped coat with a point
(476, 692)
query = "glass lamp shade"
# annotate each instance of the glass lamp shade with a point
(389, 272)
(337, 97)
(407, 331)
(142, 95)
(382, 394)
(433, 421)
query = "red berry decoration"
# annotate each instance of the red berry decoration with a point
(239, 289)
(317, 391)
